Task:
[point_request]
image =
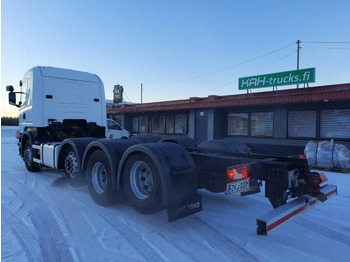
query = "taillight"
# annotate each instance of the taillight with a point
(238, 172)
(302, 156)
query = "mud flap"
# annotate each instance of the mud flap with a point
(184, 207)
(283, 213)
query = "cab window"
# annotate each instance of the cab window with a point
(113, 125)
(26, 97)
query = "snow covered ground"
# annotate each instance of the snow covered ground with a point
(45, 219)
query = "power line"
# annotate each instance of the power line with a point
(127, 96)
(251, 73)
(250, 60)
(275, 61)
(216, 87)
(313, 47)
(327, 42)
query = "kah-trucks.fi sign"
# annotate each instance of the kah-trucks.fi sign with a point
(278, 79)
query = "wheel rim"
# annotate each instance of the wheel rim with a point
(99, 177)
(27, 155)
(71, 165)
(141, 180)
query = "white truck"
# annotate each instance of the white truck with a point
(114, 130)
(62, 116)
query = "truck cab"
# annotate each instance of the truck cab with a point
(55, 104)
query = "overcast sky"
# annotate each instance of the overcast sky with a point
(177, 49)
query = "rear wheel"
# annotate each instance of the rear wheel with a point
(28, 155)
(142, 184)
(72, 167)
(100, 179)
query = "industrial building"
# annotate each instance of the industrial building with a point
(281, 117)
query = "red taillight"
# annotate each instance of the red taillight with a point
(302, 156)
(238, 172)
(230, 173)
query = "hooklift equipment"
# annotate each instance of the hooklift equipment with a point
(62, 125)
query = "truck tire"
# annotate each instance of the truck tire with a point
(28, 158)
(142, 185)
(72, 167)
(100, 180)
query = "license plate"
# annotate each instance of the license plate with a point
(238, 186)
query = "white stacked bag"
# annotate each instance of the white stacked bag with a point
(327, 154)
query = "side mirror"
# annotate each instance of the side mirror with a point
(12, 98)
(9, 88)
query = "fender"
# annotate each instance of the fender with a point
(145, 139)
(176, 167)
(113, 149)
(79, 145)
(182, 141)
(27, 135)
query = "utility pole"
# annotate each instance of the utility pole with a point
(298, 48)
(141, 93)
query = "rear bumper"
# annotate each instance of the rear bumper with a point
(285, 212)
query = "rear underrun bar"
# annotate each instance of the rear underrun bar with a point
(283, 213)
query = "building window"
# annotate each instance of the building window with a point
(180, 124)
(262, 124)
(142, 124)
(170, 124)
(302, 124)
(158, 124)
(238, 124)
(135, 124)
(335, 123)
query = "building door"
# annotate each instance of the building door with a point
(201, 126)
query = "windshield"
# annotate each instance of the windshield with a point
(113, 125)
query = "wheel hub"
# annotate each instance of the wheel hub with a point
(71, 165)
(141, 180)
(27, 155)
(99, 177)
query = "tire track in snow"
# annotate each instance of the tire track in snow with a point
(27, 240)
(100, 214)
(220, 243)
(192, 238)
(50, 237)
(325, 231)
(125, 228)
(188, 245)
(142, 246)
(187, 241)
